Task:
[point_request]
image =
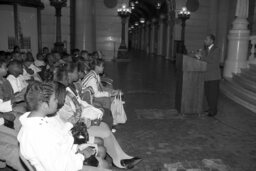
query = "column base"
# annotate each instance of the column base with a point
(122, 55)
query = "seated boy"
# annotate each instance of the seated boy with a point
(9, 149)
(15, 70)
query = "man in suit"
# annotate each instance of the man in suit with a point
(211, 55)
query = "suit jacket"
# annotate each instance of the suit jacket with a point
(212, 58)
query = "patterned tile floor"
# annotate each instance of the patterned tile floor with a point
(158, 134)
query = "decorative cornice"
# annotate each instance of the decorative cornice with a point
(27, 3)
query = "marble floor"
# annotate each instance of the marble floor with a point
(158, 134)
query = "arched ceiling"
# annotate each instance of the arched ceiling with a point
(146, 9)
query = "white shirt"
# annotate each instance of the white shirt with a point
(17, 83)
(48, 146)
(5, 106)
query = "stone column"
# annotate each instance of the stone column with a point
(152, 37)
(140, 36)
(58, 5)
(136, 38)
(160, 36)
(238, 40)
(147, 43)
(168, 41)
(85, 34)
(143, 38)
(222, 28)
(132, 40)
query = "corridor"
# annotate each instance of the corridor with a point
(158, 134)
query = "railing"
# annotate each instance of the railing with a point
(252, 58)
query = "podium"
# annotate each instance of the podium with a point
(190, 84)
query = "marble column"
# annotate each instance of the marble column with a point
(136, 38)
(140, 37)
(168, 41)
(152, 37)
(160, 36)
(222, 28)
(238, 41)
(147, 37)
(143, 37)
(132, 40)
(85, 37)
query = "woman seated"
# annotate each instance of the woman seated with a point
(67, 76)
(47, 146)
(102, 95)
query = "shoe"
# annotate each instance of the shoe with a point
(130, 163)
(113, 129)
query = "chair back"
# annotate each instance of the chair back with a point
(27, 163)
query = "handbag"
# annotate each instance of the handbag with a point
(80, 133)
(117, 109)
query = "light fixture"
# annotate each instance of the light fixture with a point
(158, 4)
(142, 20)
(184, 13)
(136, 1)
(132, 27)
(124, 11)
(136, 23)
(132, 5)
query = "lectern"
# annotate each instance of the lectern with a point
(190, 84)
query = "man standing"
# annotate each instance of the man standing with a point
(211, 55)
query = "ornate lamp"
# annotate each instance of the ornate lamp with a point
(58, 4)
(183, 14)
(158, 4)
(123, 12)
(142, 20)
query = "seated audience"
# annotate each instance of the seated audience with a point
(96, 128)
(45, 52)
(9, 149)
(47, 146)
(92, 141)
(102, 95)
(39, 62)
